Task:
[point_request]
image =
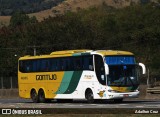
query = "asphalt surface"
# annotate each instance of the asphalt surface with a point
(27, 103)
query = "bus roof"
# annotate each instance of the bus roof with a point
(112, 52)
(69, 52)
(78, 53)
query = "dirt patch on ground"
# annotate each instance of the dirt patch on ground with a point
(9, 93)
(145, 95)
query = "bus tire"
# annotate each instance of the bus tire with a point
(34, 96)
(118, 100)
(89, 96)
(41, 96)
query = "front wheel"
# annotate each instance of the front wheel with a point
(89, 96)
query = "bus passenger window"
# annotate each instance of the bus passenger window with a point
(61, 65)
(47, 66)
(21, 66)
(28, 66)
(78, 63)
(87, 63)
(34, 66)
(38, 65)
(66, 64)
(44, 65)
(53, 65)
(90, 67)
(90, 63)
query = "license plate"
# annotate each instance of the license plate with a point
(125, 95)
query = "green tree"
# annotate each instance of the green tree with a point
(20, 18)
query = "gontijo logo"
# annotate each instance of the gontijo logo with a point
(46, 77)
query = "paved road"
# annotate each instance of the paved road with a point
(27, 103)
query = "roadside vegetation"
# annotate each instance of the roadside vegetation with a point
(135, 28)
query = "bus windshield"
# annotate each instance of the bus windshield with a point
(122, 75)
(122, 71)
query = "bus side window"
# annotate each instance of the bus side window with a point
(38, 65)
(90, 63)
(22, 66)
(60, 66)
(44, 65)
(53, 65)
(28, 66)
(66, 63)
(87, 63)
(34, 62)
(71, 65)
(78, 63)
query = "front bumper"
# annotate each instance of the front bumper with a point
(110, 95)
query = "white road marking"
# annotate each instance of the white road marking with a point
(139, 106)
(71, 105)
(152, 105)
(12, 105)
(93, 104)
(100, 105)
(123, 104)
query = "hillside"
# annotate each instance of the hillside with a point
(73, 5)
(135, 28)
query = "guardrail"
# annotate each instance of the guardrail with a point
(153, 90)
(8, 82)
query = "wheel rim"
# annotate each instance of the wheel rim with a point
(41, 96)
(34, 96)
(90, 97)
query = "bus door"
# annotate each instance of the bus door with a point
(99, 69)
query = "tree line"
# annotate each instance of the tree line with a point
(135, 28)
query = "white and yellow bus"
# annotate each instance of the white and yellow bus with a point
(79, 74)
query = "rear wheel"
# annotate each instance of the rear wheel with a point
(89, 96)
(41, 96)
(34, 96)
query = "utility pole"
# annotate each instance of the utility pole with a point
(2, 82)
(148, 79)
(34, 49)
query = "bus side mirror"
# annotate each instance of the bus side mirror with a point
(106, 69)
(143, 68)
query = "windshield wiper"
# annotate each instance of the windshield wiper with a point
(120, 83)
(131, 81)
